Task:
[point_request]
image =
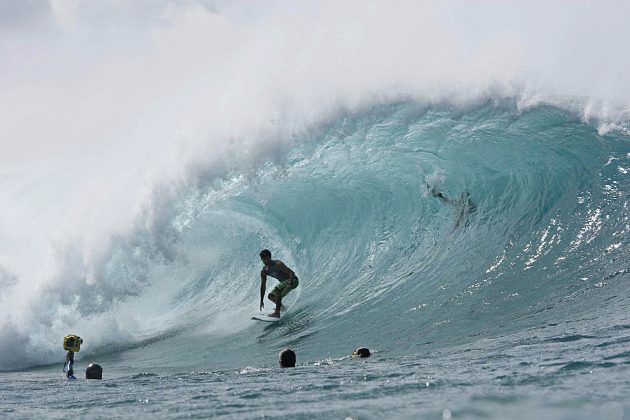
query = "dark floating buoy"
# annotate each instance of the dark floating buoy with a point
(94, 371)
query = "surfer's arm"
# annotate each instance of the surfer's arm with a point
(437, 194)
(263, 287)
(444, 198)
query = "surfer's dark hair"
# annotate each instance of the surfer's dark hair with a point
(265, 253)
(287, 358)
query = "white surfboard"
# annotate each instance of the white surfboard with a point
(266, 318)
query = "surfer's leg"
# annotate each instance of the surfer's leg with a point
(290, 286)
(278, 301)
(276, 297)
(272, 297)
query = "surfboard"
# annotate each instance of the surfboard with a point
(266, 318)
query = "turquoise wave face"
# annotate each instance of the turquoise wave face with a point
(384, 263)
(381, 261)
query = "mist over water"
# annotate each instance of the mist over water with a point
(150, 150)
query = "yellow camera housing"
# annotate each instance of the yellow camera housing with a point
(72, 342)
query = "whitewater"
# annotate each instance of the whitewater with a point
(150, 150)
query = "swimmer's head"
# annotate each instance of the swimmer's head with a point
(361, 352)
(287, 358)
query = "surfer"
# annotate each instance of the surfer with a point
(464, 206)
(278, 270)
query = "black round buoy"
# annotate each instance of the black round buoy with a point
(94, 371)
(362, 352)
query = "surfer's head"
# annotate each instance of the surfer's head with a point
(361, 352)
(265, 256)
(287, 358)
(94, 371)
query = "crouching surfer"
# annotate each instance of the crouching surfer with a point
(278, 270)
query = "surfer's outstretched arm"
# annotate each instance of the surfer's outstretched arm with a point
(437, 194)
(443, 198)
(263, 287)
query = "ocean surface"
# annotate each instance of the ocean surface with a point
(519, 311)
(141, 235)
